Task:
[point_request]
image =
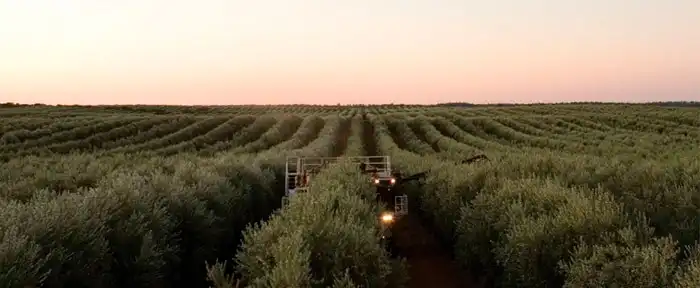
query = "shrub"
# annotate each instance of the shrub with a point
(628, 258)
(147, 226)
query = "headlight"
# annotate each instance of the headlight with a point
(387, 217)
(376, 181)
(393, 181)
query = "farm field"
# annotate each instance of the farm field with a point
(573, 195)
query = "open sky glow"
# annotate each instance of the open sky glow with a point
(352, 52)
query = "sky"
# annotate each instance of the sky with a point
(229, 52)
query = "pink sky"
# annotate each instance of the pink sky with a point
(349, 52)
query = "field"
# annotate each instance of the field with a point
(573, 195)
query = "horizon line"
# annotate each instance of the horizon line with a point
(439, 104)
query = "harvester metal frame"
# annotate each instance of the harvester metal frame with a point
(301, 169)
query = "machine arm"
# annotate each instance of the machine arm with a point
(421, 175)
(417, 176)
(474, 159)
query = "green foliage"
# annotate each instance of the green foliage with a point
(148, 226)
(627, 258)
(689, 273)
(328, 236)
(525, 214)
(575, 195)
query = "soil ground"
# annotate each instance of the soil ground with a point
(430, 264)
(368, 139)
(342, 138)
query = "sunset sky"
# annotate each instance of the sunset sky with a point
(349, 52)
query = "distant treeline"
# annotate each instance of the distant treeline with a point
(665, 104)
(201, 108)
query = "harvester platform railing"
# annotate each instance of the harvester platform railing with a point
(401, 205)
(299, 170)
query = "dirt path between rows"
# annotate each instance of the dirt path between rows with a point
(368, 140)
(430, 264)
(342, 138)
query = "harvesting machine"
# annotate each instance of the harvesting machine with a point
(301, 170)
